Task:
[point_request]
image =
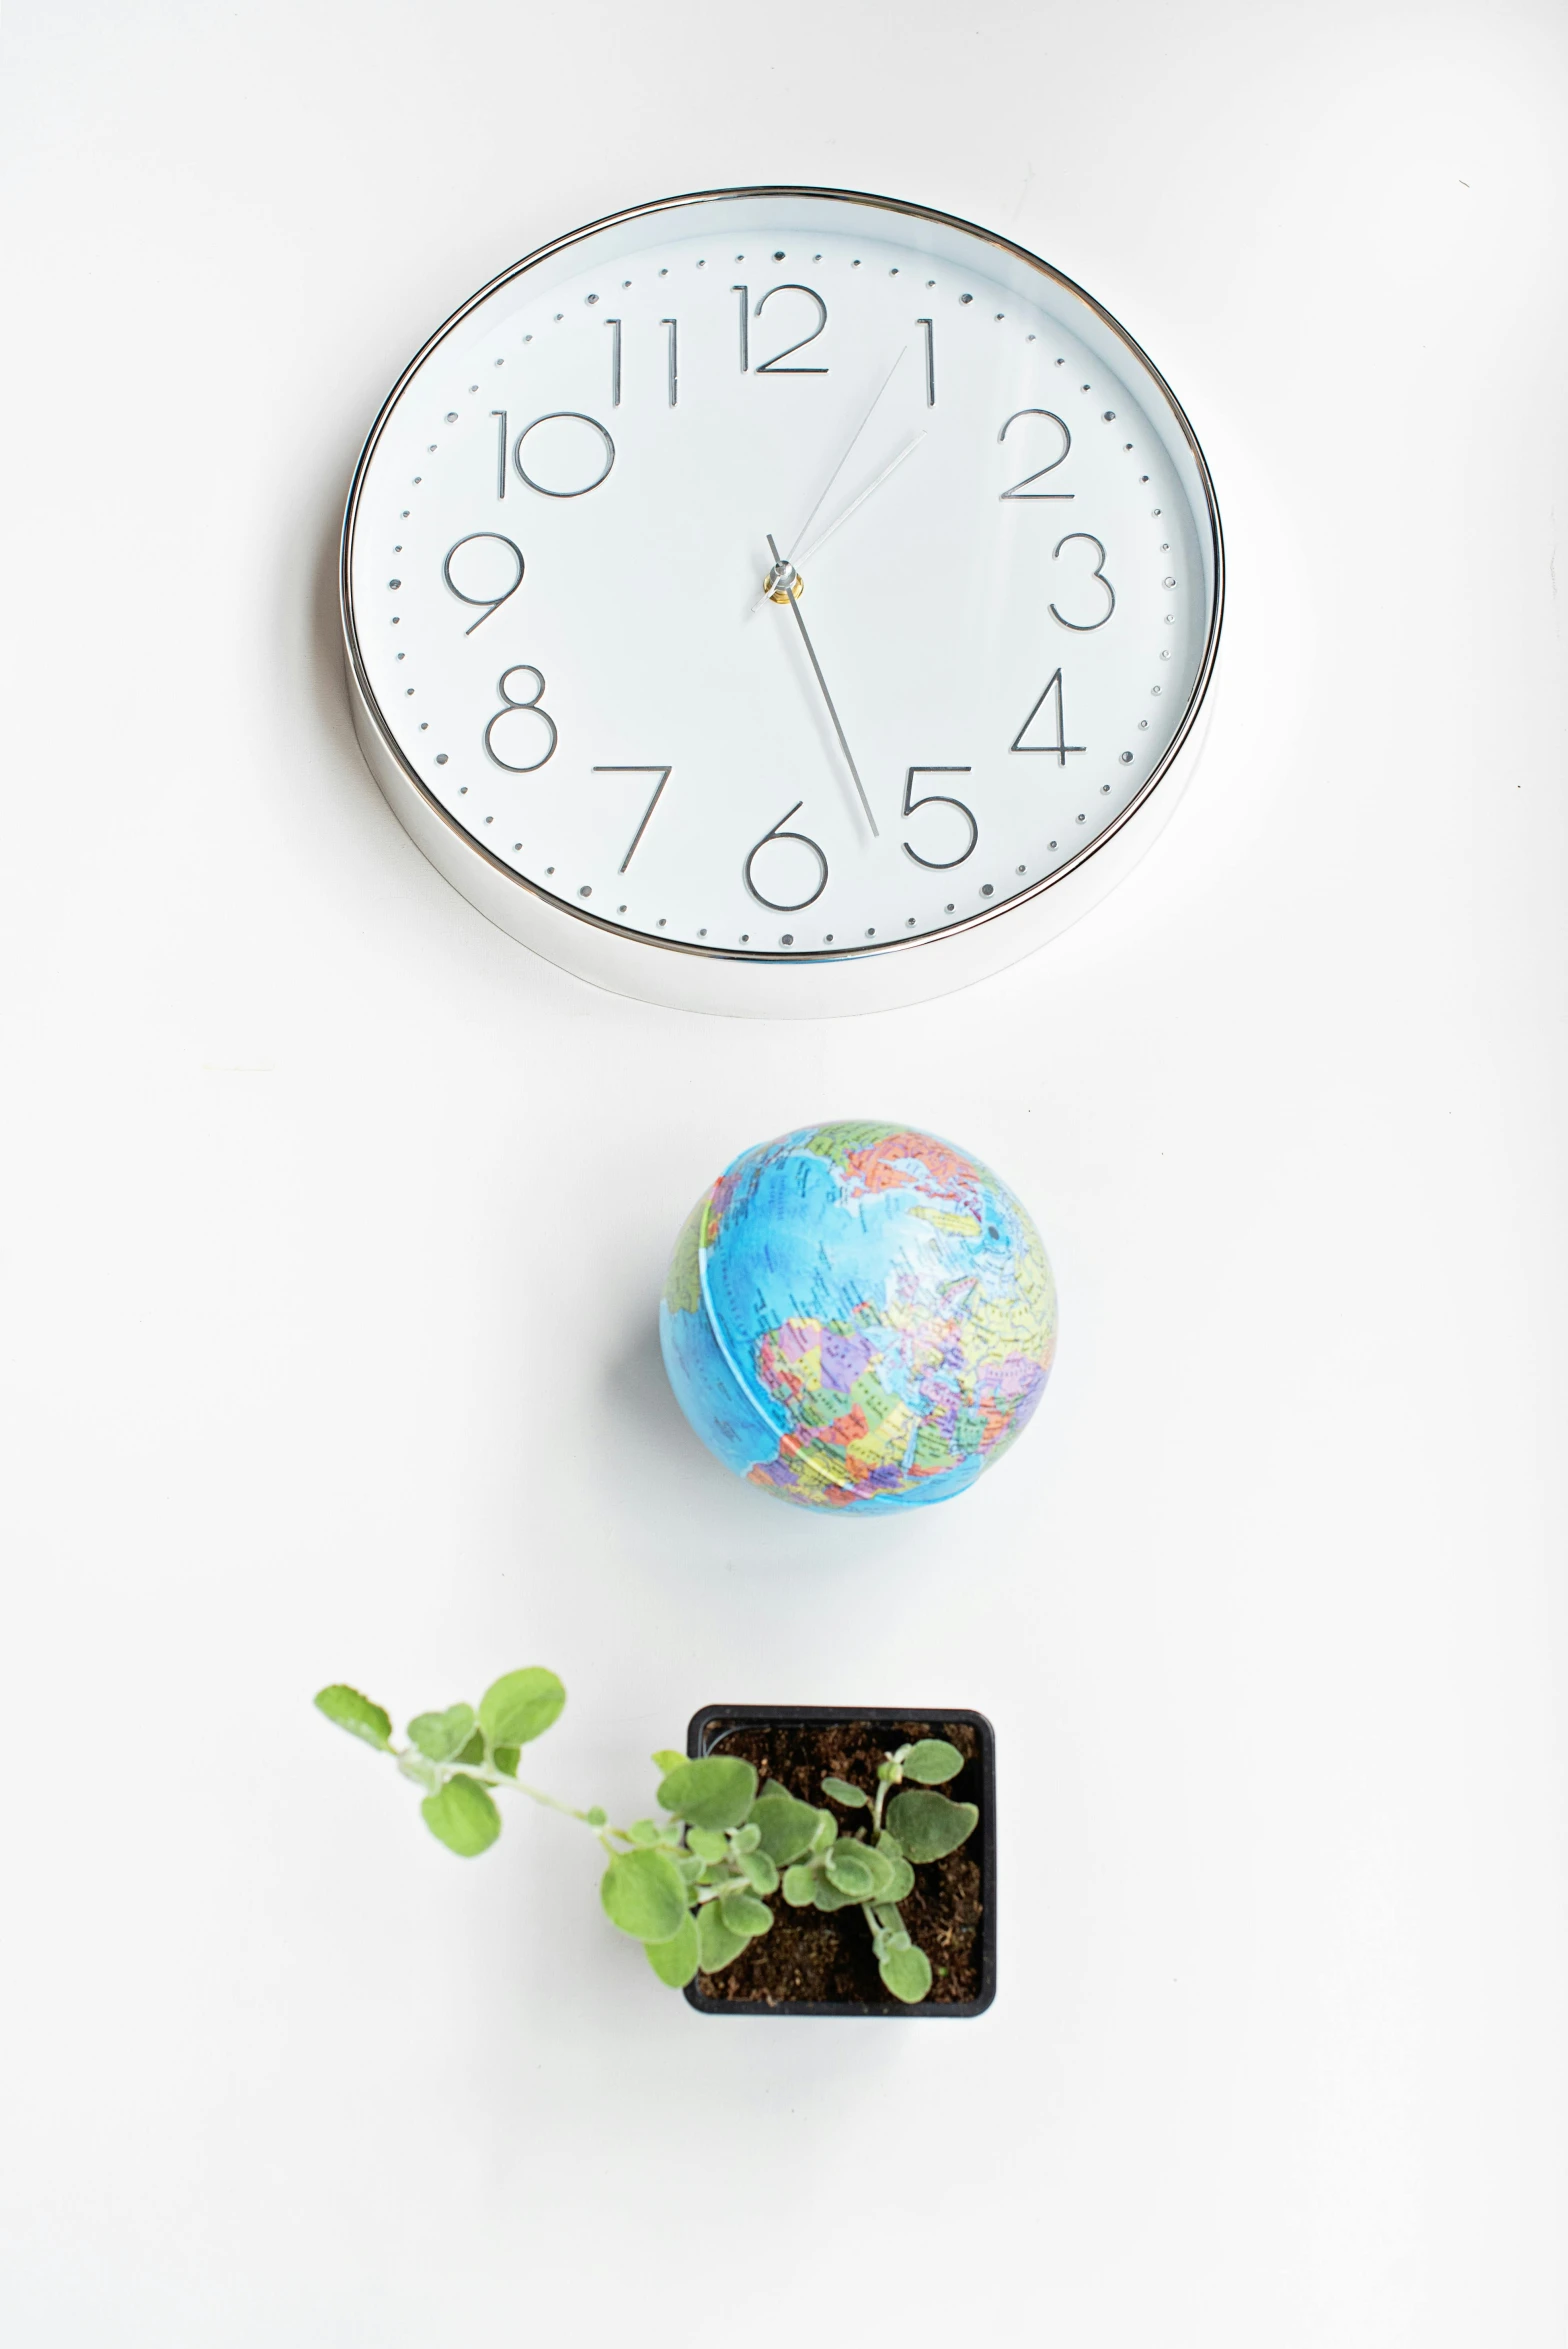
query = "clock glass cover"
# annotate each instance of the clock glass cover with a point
(779, 577)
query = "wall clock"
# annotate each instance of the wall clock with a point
(781, 601)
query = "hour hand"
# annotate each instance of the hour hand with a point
(805, 554)
(886, 474)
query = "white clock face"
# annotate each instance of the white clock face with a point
(783, 575)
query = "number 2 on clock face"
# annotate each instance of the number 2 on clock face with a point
(714, 575)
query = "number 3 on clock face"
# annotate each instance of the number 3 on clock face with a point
(781, 601)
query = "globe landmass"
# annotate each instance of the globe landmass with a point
(858, 1317)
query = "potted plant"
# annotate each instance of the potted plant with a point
(887, 1776)
(810, 1860)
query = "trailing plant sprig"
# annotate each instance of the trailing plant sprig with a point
(694, 1887)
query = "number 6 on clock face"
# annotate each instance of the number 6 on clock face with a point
(755, 486)
(776, 836)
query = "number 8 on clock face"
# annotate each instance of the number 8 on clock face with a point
(781, 601)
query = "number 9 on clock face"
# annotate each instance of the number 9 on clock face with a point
(781, 601)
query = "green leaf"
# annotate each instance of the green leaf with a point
(439, 1736)
(744, 1839)
(784, 1826)
(903, 1883)
(928, 1825)
(799, 1887)
(907, 1973)
(932, 1761)
(643, 1831)
(708, 1843)
(462, 1816)
(826, 1896)
(717, 1792)
(826, 1831)
(505, 1759)
(902, 1880)
(356, 1714)
(882, 1874)
(520, 1706)
(642, 1893)
(744, 1913)
(842, 1792)
(675, 1960)
(474, 1751)
(667, 1759)
(759, 1871)
(771, 1787)
(596, 1815)
(716, 1944)
(850, 1870)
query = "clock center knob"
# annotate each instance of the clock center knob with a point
(782, 582)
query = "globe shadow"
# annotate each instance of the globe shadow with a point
(640, 1388)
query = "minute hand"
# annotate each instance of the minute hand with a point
(816, 667)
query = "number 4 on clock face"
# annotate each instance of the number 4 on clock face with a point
(1061, 747)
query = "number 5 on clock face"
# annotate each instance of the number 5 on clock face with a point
(710, 578)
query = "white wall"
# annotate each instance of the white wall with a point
(333, 1224)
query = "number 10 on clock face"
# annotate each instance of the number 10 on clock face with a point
(782, 577)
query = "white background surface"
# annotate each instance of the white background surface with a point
(333, 1225)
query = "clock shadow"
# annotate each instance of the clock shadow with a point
(326, 675)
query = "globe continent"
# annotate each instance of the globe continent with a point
(858, 1317)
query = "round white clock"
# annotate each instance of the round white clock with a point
(781, 601)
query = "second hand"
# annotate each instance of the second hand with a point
(783, 576)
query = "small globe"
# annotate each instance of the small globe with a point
(858, 1317)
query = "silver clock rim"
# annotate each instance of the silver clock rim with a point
(881, 950)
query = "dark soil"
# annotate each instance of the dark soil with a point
(827, 1959)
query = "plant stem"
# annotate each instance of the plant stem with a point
(882, 1791)
(434, 1775)
(550, 1803)
(707, 1892)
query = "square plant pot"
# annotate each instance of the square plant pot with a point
(821, 1963)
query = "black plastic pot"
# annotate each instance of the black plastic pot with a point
(710, 1732)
